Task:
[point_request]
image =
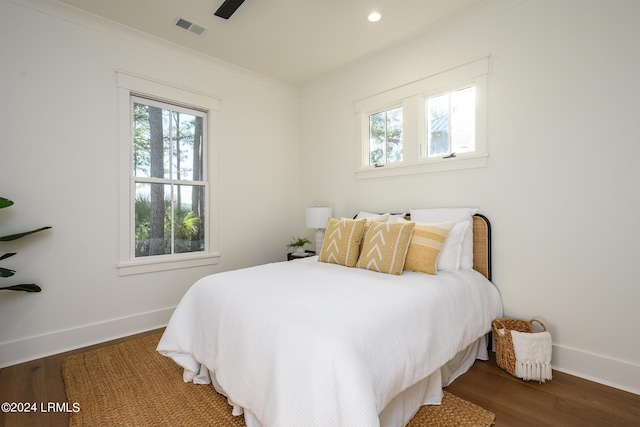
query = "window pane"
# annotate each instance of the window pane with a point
(438, 125)
(463, 129)
(189, 217)
(385, 136)
(151, 141)
(156, 221)
(394, 135)
(141, 142)
(186, 148)
(376, 138)
(167, 143)
(451, 122)
(152, 209)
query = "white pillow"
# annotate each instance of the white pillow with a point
(452, 214)
(395, 217)
(373, 216)
(449, 258)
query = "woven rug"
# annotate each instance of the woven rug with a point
(130, 384)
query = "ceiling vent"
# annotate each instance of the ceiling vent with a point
(190, 26)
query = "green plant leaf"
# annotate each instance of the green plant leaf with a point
(24, 288)
(5, 203)
(296, 242)
(6, 272)
(7, 255)
(19, 235)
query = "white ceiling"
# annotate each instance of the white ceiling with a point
(293, 41)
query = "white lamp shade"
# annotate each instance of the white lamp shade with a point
(318, 216)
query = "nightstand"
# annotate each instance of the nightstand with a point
(293, 255)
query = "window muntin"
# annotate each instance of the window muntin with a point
(168, 176)
(385, 136)
(450, 119)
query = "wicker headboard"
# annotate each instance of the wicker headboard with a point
(482, 245)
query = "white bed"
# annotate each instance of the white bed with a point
(308, 343)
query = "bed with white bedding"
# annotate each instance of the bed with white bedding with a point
(308, 343)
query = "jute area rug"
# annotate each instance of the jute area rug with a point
(131, 384)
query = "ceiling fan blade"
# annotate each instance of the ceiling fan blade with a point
(228, 8)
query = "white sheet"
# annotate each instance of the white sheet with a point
(310, 343)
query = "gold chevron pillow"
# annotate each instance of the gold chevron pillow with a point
(341, 244)
(385, 246)
(426, 243)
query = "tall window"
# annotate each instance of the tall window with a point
(168, 179)
(451, 124)
(385, 136)
(169, 144)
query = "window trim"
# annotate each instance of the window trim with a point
(412, 97)
(134, 85)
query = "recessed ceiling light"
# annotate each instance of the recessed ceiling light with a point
(374, 16)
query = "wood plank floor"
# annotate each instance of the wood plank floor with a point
(564, 401)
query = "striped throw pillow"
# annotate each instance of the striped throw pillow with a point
(426, 243)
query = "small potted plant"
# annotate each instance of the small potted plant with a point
(297, 244)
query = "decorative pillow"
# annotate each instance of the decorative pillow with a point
(449, 259)
(384, 247)
(452, 214)
(341, 244)
(425, 247)
(370, 217)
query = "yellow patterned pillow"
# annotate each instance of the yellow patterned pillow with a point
(370, 219)
(426, 243)
(385, 246)
(341, 244)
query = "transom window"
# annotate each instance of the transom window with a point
(435, 124)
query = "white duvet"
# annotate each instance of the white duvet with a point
(305, 343)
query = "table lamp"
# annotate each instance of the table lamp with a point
(317, 217)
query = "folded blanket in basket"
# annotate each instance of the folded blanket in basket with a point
(533, 355)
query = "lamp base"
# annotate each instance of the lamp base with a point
(319, 239)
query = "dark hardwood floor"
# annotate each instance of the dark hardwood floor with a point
(564, 401)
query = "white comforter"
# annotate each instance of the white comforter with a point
(305, 343)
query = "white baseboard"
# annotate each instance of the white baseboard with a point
(595, 367)
(24, 350)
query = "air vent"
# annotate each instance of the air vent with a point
(190, 26)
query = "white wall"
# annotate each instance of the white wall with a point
(59, 164)
(562, 184)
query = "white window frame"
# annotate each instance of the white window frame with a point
(412, 97)
(133, 85)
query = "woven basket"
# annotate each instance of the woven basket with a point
(505, 355)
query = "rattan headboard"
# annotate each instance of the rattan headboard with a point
(481, 245)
